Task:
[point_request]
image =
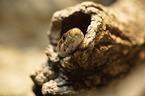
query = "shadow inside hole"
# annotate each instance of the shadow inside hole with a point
(78, 19)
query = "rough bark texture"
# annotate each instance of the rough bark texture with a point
(111, 47)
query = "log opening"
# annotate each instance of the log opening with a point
(77, 19)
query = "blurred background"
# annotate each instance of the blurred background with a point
(24, 23)
(23, 39)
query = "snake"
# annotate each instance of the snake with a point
(69, 42)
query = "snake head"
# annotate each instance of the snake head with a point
(69, 42)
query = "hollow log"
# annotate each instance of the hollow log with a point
(111, 47)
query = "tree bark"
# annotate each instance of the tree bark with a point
(114, 43)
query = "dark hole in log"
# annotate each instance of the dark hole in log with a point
(77, 19)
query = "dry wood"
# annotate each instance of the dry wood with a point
(112, 46)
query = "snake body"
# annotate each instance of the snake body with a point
(69, 42)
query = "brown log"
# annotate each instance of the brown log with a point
(112, 46)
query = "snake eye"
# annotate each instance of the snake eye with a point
(64, 37)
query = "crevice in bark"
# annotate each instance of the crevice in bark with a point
(115, 31)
